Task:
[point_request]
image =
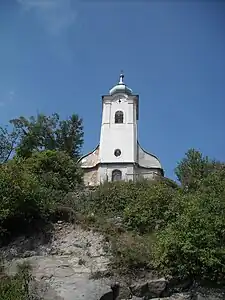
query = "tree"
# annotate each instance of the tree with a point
(7, 143)
(193, 168)
(32, 188)
(193, 243)
(49, 133)
(55, 170)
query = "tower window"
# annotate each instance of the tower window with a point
(116, 175)
(117, 152)
(119, 117)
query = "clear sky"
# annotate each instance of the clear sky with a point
(63, 55)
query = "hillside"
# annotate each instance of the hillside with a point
(157, 239)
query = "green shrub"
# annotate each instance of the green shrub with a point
(56, 170)
(31, 189)
(110, 199)
(18, 286)
(193, 244)
(21, 197)
(131, 252)
(152, 207)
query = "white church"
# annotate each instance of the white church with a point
(118, 155)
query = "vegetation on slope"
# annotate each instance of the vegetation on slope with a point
(18, 286)
(178, 229)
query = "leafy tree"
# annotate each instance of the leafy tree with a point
(193, 168)
(49, 133)
(7, 143)
(55, 170)
(32, 188)
(152, 207)
(21, 197)
(193, 243)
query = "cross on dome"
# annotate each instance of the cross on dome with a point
(121, 78)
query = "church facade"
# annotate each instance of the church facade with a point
(119, 155)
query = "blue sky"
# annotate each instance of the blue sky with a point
(62, 56)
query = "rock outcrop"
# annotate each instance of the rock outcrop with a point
(63, 267)
(69, 264)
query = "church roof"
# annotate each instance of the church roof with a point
(121, 87)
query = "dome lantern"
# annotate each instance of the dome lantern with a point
(121, 87)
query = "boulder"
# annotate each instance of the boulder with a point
(150, 289)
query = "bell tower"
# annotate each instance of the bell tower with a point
(118, 137)
(119, 156)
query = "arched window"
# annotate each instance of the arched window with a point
(119, 117)
(116, 175)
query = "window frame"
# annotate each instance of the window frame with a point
(119, 117)
(116, 175)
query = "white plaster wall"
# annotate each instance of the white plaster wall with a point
(147, 173)
(118, 136)
(102, 173)
(105, 171)
(147, 160)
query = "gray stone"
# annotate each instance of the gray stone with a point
(63, 269)
(178, 296)
(210, 296)
(140, 289)
(60, 275)
(151, 288)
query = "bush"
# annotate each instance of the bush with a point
(21, 198)
(16, 287)
(134, 201)
(151, 208)
(110, 199)
(55, 170)
(31, 189)
(131, 252)
(193, 244)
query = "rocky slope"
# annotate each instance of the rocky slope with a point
(65, 266)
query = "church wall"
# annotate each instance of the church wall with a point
(118, 136)
(105, 171)
(102, 173)
(91, 159)
(121, 136)
(147, 160)
(91, 176)
(147, 173)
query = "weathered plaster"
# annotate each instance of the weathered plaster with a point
(91, 176)
(146, 159)
(91, 159)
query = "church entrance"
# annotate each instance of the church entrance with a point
(116, 175)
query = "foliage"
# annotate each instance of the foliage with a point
(177, 229)
(111, 198)
(193, 168)
(143, 205)
(21, 197)
(193, 244)
(42, 172)
(7, 143)
(55, 170)
(30, 189)
(18, 286)
(48, 133)
(180, 230)
(131, 252)
(151, 208)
